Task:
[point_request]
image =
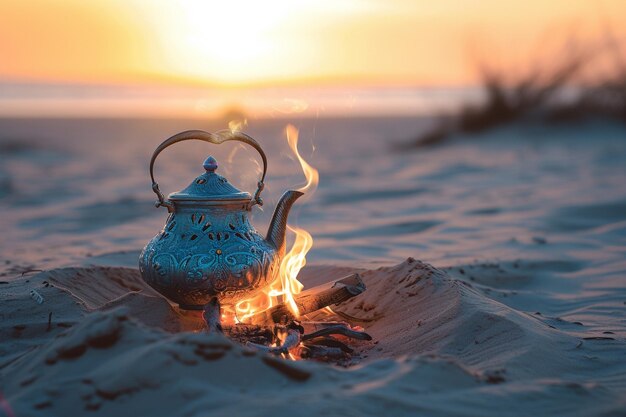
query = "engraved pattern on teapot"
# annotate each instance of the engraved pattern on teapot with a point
(224, 249)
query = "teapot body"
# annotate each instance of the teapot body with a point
(208, 248)
(207, 251)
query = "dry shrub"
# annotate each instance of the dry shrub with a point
(561, 93)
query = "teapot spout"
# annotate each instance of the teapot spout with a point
(278, 225)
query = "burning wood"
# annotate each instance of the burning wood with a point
(277, 331)
(246, 334)
(290, 336)
(311, 300)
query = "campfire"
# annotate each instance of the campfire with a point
(280, 331)
(285, 321)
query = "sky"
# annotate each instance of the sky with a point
(287, 42)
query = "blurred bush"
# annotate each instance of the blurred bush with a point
(562, 92)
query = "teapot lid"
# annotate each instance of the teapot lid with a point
(210, 186)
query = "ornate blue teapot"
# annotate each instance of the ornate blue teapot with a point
(208, 248)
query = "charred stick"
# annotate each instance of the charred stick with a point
(247, 331)
(290, 335)
(342, 330)
(328, 342)
(311, 326)
(312, 300)
(323, 352)
(244, 333)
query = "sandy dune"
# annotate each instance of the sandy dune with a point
(113, 347)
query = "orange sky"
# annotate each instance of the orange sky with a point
(386, 42)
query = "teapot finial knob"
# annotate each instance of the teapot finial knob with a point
(210, 164)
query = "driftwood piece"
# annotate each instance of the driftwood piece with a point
(312, 300)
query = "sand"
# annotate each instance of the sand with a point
(522, 312)
(114, 347)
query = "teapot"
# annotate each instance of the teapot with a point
(208, 248)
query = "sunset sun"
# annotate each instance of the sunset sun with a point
(217, 38)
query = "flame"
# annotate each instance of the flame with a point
(287, 285)
(291, 265)
(295, 260)
(311, 174)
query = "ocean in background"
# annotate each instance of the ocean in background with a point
(132, 101)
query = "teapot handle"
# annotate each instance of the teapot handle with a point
(216, 138)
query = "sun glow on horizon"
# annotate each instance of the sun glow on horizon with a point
(216, 38)
(265, 43)
(242, 40)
